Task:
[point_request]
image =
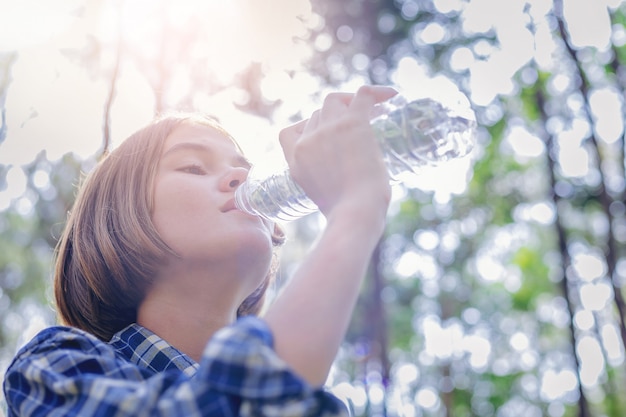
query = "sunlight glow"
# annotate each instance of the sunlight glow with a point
(461, 59)
(433, 33)
(612, 344)
(541, 212)
(237, 32)
(376, 393)
(581, 15)
(588, 266)
(490, 269)
(349, 393)
(584, 320)
(519, 341)
(573, 159)
(555, 384)
(426, 239)
(592, 360)
(447, 6)
(479, 350)
(427, 398)
(42, 79)
(407, 373)
(234, 34)
(606, 106)
(595, 297)
(412, 263)
(16, 186)
(408, 264)
(524, 143)
(25, 23)
(493, 75)
(449, 341)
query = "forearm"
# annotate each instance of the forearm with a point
(336, 160)
(310, 318)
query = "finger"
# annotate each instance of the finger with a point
(298, 127)
(290, 135)
(335, 104)
(312, 122)
(367, 96)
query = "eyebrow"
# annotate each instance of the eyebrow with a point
(200, 147)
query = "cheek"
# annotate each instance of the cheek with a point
(176, 211)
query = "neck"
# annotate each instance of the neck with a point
(186, 307)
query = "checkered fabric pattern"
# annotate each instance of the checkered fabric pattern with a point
(67, 372)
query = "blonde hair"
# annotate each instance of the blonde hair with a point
(110, 250)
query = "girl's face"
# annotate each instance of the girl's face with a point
(194, 210)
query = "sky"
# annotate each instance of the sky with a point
(43, 78)
(56, 105)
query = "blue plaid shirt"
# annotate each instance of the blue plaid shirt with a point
(67, 372)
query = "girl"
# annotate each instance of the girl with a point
(160, 279)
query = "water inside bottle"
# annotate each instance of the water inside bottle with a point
(276, 197)
(421, 133)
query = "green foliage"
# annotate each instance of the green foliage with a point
(530, 107)
(526, 296)
(536, 278)
(400, 314)
(30, 228)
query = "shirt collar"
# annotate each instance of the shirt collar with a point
(147, 350)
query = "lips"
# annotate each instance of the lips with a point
(229, 206)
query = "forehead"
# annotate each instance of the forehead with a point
(200, 134)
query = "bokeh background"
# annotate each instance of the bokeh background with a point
(497, 289)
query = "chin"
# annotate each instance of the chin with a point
(256, 242)
(258, 260)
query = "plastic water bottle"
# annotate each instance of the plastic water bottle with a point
(412, 134)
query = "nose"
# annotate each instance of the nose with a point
(233, 178)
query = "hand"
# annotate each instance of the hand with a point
(335, 158)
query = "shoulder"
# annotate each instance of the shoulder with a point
(63, 349)
(62, 337)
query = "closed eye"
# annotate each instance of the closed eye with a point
(193, 169)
